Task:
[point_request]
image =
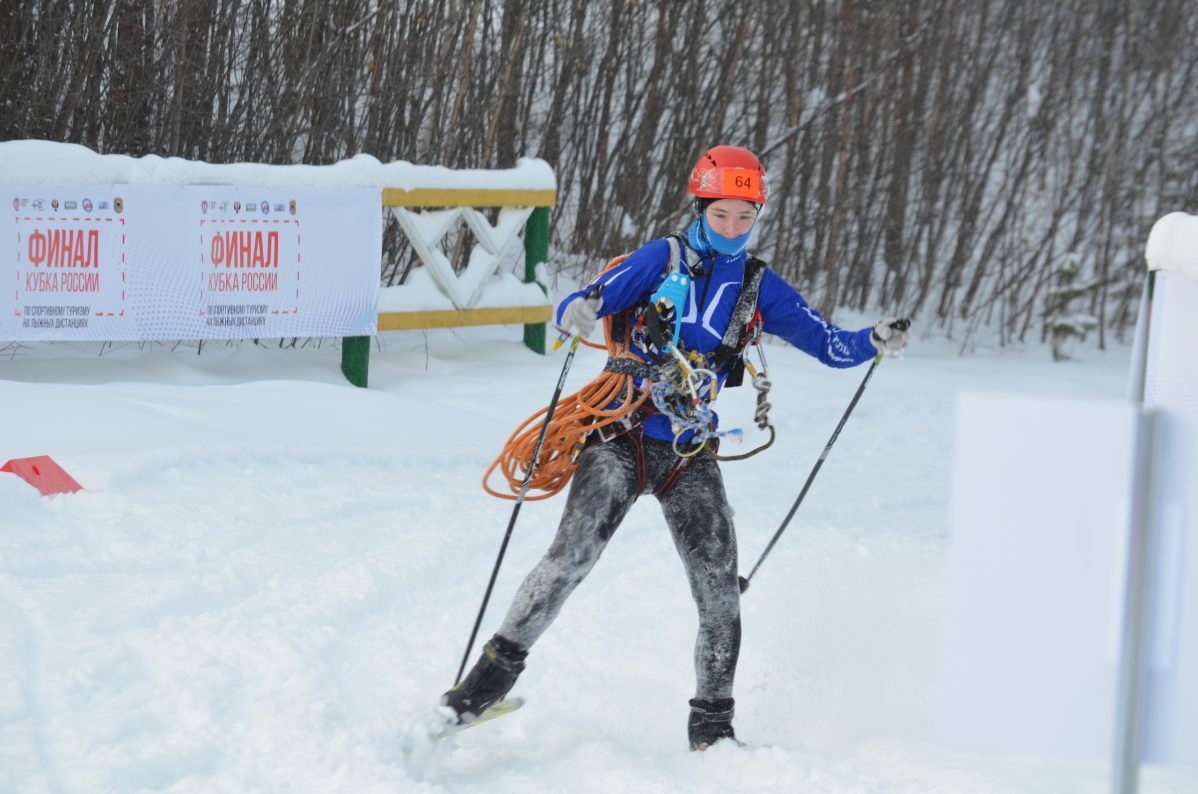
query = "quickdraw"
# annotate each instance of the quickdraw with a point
(683, 392)
(762, 414)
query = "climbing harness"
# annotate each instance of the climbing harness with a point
(679, 384)
(687, 382)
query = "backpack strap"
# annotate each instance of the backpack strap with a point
(679, 251)
(736, 336)
(622, 322)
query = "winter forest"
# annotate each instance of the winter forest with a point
(976, 165)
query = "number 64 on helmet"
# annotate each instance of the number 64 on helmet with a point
(729, 172)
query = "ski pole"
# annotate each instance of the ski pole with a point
(532, 466)
(744, 580)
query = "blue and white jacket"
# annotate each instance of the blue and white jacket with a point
(713, 296)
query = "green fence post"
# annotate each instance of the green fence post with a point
(355, 359)
(536, 251)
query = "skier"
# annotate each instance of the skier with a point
(647, 455)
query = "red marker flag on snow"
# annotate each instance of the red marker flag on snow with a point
(43, 474)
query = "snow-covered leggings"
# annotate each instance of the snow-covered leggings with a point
(607, 482)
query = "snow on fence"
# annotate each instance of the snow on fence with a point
(436, 296)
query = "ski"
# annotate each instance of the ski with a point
(500, 709)
(443, 724)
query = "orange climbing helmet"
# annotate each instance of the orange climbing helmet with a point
(729, 172)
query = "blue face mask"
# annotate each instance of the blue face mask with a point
(724, 245)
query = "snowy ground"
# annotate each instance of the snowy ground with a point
(271, 573)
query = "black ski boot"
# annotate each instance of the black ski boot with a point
(709, 722)
(488, 681)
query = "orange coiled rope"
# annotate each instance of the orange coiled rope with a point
(575, 416)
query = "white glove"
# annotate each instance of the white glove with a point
(581, 314)
(890, 336)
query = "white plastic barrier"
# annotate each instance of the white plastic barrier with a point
(1036, 567)
(1072, 626)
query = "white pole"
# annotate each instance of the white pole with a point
(1129, 708)
(1138, 380)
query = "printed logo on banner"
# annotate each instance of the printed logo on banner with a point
(70, 271)
(252, 270)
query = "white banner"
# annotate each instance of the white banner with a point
(141, 262)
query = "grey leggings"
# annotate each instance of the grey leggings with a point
(608, 481)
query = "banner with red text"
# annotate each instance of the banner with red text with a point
(140, 262)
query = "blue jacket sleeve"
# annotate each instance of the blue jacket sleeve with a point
(627, 283)
(786, 314)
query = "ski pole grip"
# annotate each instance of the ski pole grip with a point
(594, 292)
(744, 584)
